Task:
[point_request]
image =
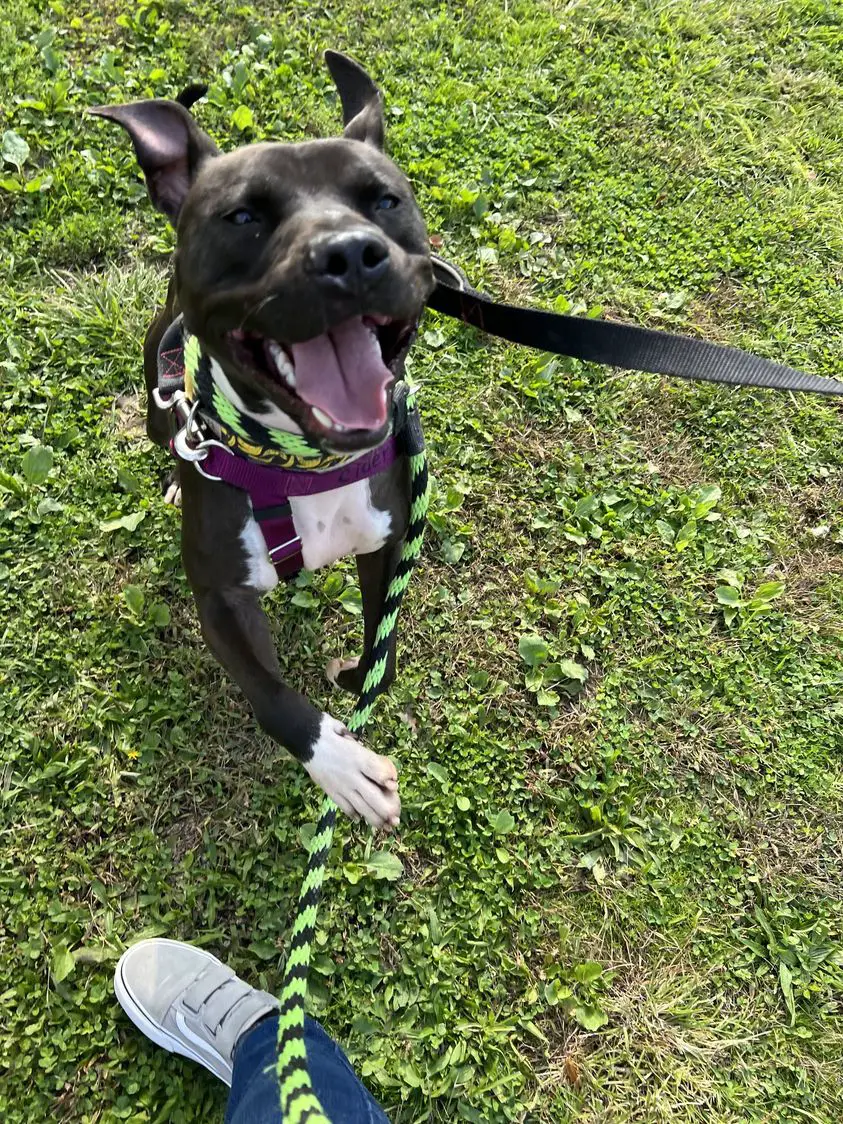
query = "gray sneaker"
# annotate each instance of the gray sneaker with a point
(187, 1001)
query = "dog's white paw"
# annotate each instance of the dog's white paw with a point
(173, 495)
(335, 666)
(361, 782)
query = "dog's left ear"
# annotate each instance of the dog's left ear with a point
(192, 94)
(362, 104)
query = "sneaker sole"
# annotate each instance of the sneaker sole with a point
(152, 1030)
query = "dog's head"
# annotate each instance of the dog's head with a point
(302, 268)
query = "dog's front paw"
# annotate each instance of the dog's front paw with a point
(172, 489)
(341, 674)
(173, 495)
(362, 783)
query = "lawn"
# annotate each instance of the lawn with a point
(618, 715)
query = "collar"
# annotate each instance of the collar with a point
(183, 366)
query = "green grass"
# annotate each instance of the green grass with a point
(621, 897)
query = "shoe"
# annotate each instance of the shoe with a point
(187, 1001)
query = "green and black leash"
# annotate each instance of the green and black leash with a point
(191, 371)
(600, 341)
(299, 1103)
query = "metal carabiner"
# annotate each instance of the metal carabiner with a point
(190, 443)
(185, 451)
(177, 402)
(204, 447)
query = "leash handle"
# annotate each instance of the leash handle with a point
(615, 344)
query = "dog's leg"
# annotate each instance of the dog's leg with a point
(375, 572)
(361, 782)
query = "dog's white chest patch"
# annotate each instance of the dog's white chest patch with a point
(330, 525)
(261, 573)
(334, 524)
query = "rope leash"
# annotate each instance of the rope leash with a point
(299, 1103)
(621, 345)
(182, 364)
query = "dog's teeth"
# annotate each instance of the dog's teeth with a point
(323, 418)
(282, 363)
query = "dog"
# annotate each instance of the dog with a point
(302, 271)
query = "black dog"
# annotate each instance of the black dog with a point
(302, 271)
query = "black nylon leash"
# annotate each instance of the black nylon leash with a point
(616, 344)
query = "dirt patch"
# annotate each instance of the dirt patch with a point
(184, 836)
(716, 315)
(804, 841)
(128, 416)
(653, 423)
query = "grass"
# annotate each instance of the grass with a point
(618, 713)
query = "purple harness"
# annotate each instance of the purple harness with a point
(269, 490)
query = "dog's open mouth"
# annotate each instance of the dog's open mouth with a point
(337, 384)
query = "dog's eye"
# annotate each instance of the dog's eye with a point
(387, 203)
(240, 217)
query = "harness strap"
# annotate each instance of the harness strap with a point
(283, 544)
(615, 344)
(269, 490)
(267, 485)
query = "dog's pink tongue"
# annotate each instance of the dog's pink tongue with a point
(343, 373)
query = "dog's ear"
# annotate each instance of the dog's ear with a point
(362, 104)
(191, 94)
(169, 145)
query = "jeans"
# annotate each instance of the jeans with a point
(254, 1086)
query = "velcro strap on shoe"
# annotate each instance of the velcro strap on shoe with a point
(245, 1013)
(222, 1003)
(204, 986)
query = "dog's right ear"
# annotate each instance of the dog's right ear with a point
(169, 145)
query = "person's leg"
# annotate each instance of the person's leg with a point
(188, 1002)
(254, 1088)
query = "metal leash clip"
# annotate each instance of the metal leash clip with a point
(190, 442)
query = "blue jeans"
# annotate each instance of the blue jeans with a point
(254, 1087)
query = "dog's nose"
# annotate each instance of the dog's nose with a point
(351, 260)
